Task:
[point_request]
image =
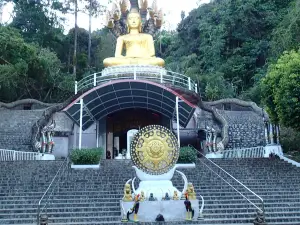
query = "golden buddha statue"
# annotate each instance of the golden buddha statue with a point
(127, 193)
(139, 46)
(191, 192)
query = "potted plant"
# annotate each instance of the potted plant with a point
(187, 157)
(88, 158)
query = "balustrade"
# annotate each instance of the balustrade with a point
(136, 72)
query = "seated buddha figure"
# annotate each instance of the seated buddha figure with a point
(139, 46)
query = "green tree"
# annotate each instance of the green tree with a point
(29, 71)
(227, 38)
(281, 90)
(39, 23)
(286, 36)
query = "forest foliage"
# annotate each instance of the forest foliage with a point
(247, 49)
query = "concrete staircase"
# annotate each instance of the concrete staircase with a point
(246, 129)
(16, 125)
(92, 197)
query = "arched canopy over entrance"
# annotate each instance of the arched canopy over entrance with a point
(115, 96)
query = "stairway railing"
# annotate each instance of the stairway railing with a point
(12, 155)
(253, 152)
(260, 208)
(53, 185)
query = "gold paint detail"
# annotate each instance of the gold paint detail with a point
(154, 150)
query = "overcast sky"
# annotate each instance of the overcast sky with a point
(172, 9)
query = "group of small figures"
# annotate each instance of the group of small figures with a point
(128, 194)
(190, 194)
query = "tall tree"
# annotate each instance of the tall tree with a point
(75, 38)
(94, 9)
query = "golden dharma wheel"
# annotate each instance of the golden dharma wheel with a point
(154, 150)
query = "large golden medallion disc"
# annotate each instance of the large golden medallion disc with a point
(154, 150)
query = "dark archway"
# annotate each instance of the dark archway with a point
(119, 123)
(118, 95)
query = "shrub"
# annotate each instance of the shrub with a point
(187, 155)
(86, 156)
(289, 139)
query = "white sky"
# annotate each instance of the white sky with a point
(170, 8)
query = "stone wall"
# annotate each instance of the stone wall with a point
(246, 129)
(15, 128)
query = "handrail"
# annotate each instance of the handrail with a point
(297, 164)
(262, 209)
(58, 173)
(136, 72)
(13, 155)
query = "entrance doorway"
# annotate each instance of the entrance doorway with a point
(119, 123)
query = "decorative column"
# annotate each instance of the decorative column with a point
(214, 133)
(80, 123)
(271, 134)
(207, 138)
(266, 133)
(265, 126)
(210, 134)
(277, 133)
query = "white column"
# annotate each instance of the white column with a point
(95, 79)
(277, 132)
(266, 134)
(190, 86)
(75, 87)
(207, 139)
(97, 134)
(210, 141)
(161, 77)
(80, 123)
(214, 141)
(177, 121)
(196, 88)
(271, 134)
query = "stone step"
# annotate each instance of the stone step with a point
(100, 204)
(207, 209)
(87, 195)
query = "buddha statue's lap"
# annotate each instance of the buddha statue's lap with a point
(139, 47)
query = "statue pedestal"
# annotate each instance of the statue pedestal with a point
(275, 149)
(120, 156)
(214, 155)
(172, 210)
(44, 156)
(159, 185)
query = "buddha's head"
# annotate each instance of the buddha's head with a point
(134, 20)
